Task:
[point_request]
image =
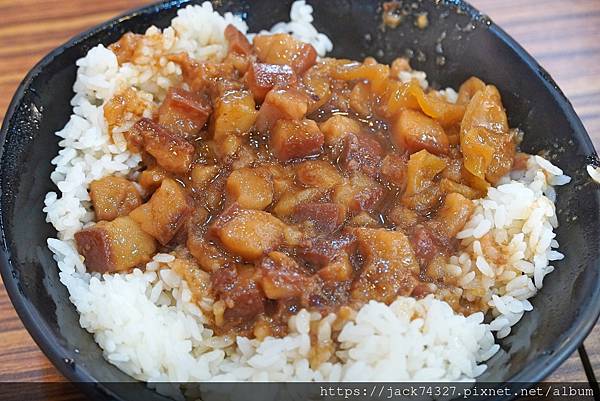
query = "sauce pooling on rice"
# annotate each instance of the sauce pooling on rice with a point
(283, 182)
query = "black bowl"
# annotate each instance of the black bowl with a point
(566, 308)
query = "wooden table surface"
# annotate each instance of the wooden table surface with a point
(563, 35)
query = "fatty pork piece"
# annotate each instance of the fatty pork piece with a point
(281, 103)
(210, 257)
(362, 153)
(248, 233)
(281, 277)
(452, 216)
(358, 194)
(171, 151)
(250, 188)
(290, 199)
(234, 115)
(184, 112)
(337, 127)
(321, 251)
(261, 78)
(242, 298)
(113, 197)
(323, 217)
(165, 213)
(118, 245)
(237, 41)
(197, 279)
(318, 174)
(292, 139)
(282, 48)
(390, 266)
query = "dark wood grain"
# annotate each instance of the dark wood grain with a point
(563, 35)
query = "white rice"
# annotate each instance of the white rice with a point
(516, 220)
(145, 321)
(593, 172)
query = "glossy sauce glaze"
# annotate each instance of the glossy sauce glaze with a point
(284, 182)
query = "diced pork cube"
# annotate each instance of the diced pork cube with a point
(248, 233)
(281, 277)
(358, 194)
(337, 127)
(318, 174)
(282, 48)
(171, 151)
(324, 217)
(234, 114)
(293, 139)
(242, 296)
(113, 196)
(250, 188)
(165, 213)
(323, 250)
(184, 112)
(118, 245)
(389, 267)
(237, 41)
(281, 103)
(261, 78)
(361, 153)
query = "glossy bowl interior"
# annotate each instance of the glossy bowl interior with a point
(458, 43)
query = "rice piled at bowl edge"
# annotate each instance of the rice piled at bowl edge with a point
(146, 322)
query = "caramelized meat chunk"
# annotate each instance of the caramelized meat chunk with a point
(165, 213)
(403, 217)
(184, 112)
(281, 277)
(117, 245)
(318, 174)
(171, 151)
(425, 244)
(389, 267)
(261, 78)
(324, 217)
(202, 175)
(209, 256)
(361, 153)
(282, 48)
(151, 178)
(323, 250)
(337, 127)
(452, 216)
(249, 233)
(393, 170)
(291, 199)
(358, 194)
(197, 279)
(127, 47)
(296, 139)
(250, 188)
(242, 296)
(281, 103)
(237, 41)
(234, 113)
(338, 269)
(113, 197)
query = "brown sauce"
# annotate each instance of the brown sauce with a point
(283, 182)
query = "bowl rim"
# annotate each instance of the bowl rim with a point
(538, 369)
